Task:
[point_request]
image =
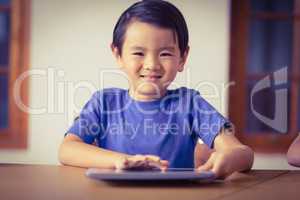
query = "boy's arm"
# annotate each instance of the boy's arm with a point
(73, 151)
(229, 156)
(293, 154)
(201, 154)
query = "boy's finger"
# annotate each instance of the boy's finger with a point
(138, 157)
(164, 165)
(122, 164)
(160, 164)
(216, 171)
(132, 161)
(164, 162)
(140, 163)
(220, 172)
(206, 166)
(153, 158)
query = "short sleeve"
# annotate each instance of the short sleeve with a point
(87, 126)
(207, 121)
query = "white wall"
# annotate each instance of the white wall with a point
(71, 38)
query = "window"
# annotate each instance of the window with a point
(14, 40)
(265, 67)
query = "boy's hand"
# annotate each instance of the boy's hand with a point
(220, 163)
(142, 162)
(229, 156)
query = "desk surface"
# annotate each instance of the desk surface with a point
(63, 182)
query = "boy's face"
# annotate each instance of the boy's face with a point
(150, 58)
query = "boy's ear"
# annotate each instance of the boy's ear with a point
(183, 59)
(116, 53)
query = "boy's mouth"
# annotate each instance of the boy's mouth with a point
(151, 77)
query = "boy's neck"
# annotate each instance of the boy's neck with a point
(145, 97)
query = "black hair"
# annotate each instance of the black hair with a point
(156, 12)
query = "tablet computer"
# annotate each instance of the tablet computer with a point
(130, 175)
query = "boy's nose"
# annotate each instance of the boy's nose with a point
(151, 64)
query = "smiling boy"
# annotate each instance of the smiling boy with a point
(157, 127)
(151, 59)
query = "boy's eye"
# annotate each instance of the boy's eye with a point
(138, 53)
(165, 54)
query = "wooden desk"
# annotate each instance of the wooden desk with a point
(32, 182)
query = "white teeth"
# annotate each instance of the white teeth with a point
(150, 76)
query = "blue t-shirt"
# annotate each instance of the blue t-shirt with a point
(168, 127)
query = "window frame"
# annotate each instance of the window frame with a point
(239, 37)
(15, 136)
